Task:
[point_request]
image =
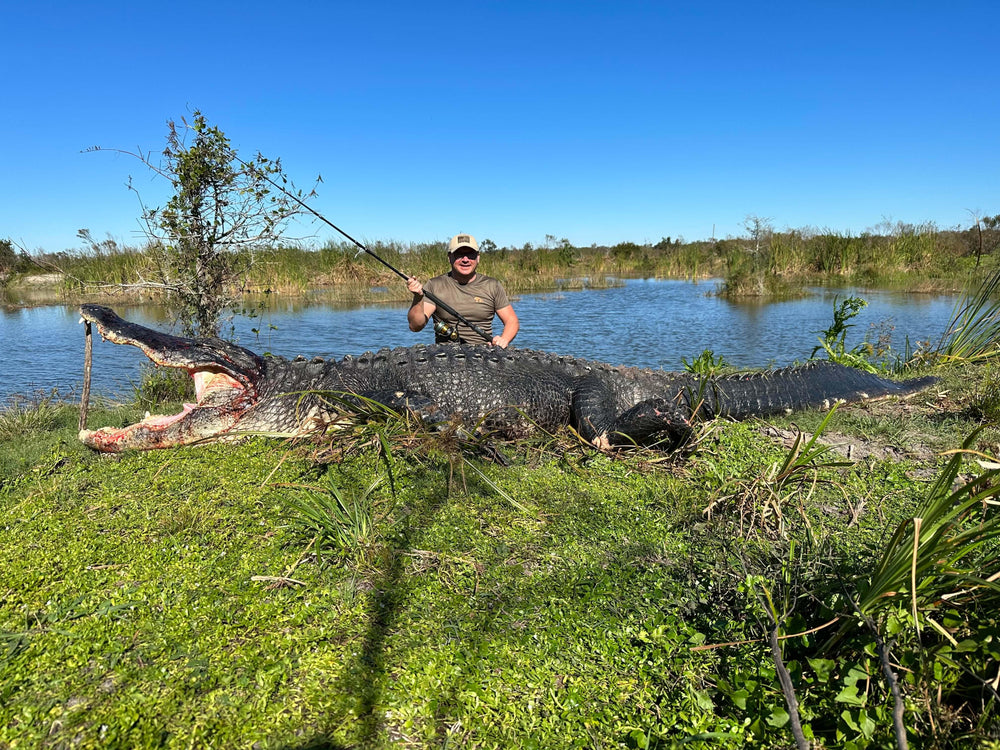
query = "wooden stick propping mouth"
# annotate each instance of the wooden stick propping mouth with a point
(88, 349)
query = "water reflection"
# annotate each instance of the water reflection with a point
(644, 323)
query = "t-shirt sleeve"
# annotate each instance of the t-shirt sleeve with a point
(500, 299)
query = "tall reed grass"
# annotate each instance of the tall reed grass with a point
(768, 264)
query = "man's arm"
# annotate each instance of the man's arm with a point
(511, 325)
(421, 308)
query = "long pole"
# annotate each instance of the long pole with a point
(432, 297)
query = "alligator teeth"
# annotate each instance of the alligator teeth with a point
(146, 415)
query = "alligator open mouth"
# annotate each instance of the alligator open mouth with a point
(210, 387)
(224, 377)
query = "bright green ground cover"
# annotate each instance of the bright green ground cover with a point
(191, 598)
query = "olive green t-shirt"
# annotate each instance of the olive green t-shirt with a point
(477, 301)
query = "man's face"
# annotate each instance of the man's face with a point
(464, 260)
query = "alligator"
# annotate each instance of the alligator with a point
(510, 392)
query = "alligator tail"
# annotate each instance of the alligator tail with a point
(818, 384)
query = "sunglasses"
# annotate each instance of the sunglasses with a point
(465, 254)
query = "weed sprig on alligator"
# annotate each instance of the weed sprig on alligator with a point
(507, 391)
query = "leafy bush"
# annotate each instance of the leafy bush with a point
(705, 363)
(833, 339)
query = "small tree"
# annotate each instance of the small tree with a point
(224, 211)
(760, 231)
(992, 224)
(8, 257)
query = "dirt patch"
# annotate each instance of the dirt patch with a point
(42, 279)
(852, 447)
(860, 443)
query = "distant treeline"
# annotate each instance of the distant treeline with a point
(764, 262)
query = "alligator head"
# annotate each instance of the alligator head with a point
(225, 379)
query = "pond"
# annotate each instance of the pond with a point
(644, 323)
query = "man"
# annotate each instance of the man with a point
(477, 298)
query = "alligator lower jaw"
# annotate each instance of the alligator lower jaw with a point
(221, 402)
(192, 425)
(147, 434)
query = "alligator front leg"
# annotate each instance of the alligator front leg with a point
(654, 419)
(591, 411)
(594, 417)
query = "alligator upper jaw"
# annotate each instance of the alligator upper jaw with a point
(193, 355)
(225, 378)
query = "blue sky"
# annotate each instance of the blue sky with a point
(597, 122)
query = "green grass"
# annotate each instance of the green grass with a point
(24, 415)
(383, 588)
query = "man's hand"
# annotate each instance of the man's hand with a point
(415, 286)
(499, 341)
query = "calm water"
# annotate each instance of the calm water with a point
(643, 323)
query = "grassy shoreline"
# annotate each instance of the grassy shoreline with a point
(384, 588)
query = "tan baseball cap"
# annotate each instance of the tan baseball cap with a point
(463, 240)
